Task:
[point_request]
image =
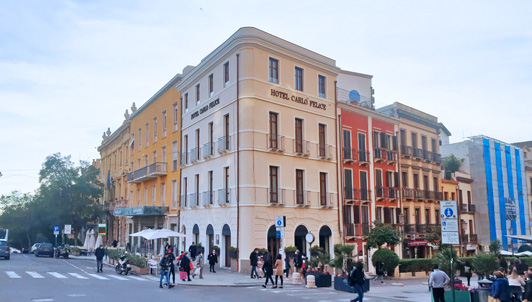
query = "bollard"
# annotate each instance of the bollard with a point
(311, 281)
(296, 278)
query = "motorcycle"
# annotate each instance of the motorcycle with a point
(124, 265)
(61, 251)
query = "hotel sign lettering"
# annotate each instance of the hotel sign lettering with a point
(298, 99)
(205, 108)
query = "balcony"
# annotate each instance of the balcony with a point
(224, 196)
(183, 201)
(421, 228)
(363, 157)
(301, 147)
(417, 153)
(393, 193)
(365, 195)
(364, 230)
(380, 193)
(208, 150)
(275, 196)
(406, 151)
(224, 144)
(436, 157)
(349, 154)
(193, 200)
(379, 155)
(194, 155)
(275, 143)
(207, 198)
(301, 198)
(391, 156)
(464, 208)
(350, 194)
(146, 173)
(419, 194)
(427, 156)
(408, 193)
(410, 228)
(183, 158)
(473, 238)
(429, 195)
(325, 151)
(325, 200)
(465, 238)
(439, 195)
(350, 229)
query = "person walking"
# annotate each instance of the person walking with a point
(213, 259)
(99, 253)
(164, 264)
(298, 261)
(468, 272)
(528, 289)
(287, 266)
(260, 266)
(516, 284)
(185, 265)
(268, 269)
(253, 259)
(438, 279)
(379, 267)
(500, 288)
(192, 250)
(199, 264)
(279, 270)
(171, 265)
(358, 278)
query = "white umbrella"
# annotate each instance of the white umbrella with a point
(525, 253)
(99, 241)
(86, 242)
(506, 253)
(162, 233)
(92, 241)
(161, 252)
(141, 233)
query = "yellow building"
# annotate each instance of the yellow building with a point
(154, 171)
(419, 169)
(114, 166)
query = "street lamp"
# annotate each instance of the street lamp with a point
(402, 224)
(511, 242)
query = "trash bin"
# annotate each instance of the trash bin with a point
(484, 290)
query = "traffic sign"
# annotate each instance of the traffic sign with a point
(449, 225)
(449, 222)
(450, 238)
(56, 230)
(280, 221)
(448, 209)
(68, 229)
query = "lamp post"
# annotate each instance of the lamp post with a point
(510, 230)
(402, 224)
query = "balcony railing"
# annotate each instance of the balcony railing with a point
(275, 196)
(393, 193)
(410, 228)
(418, 153)
(195, 154)
(325, 200)
(183, 201)
(429, 195)
(224, 144)
(427, 155)
(301, 147)
(379, 154)
(350, 194)
(421, 228)
(350, 229)
(464, 208)
(363, 156)
(208, 150)
(350, 154)
(193, 200)
(439, 195)
(406, 151)
(276, 143)
(207, 198)
(465, 238)
(146, 173)
(419, 194)
(408, 193)
(473, 238)
(224, 196)
(365, 229)
(365, 195)
(391, 156)
(301, 197)
(436, 157)
(380, 192)
(183, 158)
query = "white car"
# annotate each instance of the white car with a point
(15, 251)
(34, 247)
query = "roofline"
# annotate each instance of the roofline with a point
(368, 112)
(111, 138)
(363, 75)
(178, 77)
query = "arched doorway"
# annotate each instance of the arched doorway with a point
(325, 239)
(210, 238)
(195, 236)
(226, 235)
(299, 239)
(274, 243)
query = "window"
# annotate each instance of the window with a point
(174, 156)
(274, 184)
(226, 74)
(185, 191)
(356, 214)
(274, 143)
(147, 136)
(321, 86)
(175, 117)
(299, 135)
(197, 190)
(185, 143)
(163, 194)
(298, 83)
(138, 197)
(154, 194)
(404, 179)
(140, 138)
(197, 144)
(378, 182)
(437, 215)
(155, 129)
(145, 196)
(210, 196)
(211, 85)
(163, 154)
(174, 192)
(364, 185)
(321, 139)
(225, 192)
(416, 181)
(186, 102)
(435, 184)
(300, 197)
(154, 156)
(427, 216)
(198, 94)
(362, 155)
(210, 146)
(274, 70)
(164, 123)
(226, 131)
(323, 188)
(414, 140)
(348, 176)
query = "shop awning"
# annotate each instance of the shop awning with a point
(521, 237)
(140, 211)
(418, 243)
(210, 230)
(195, 229)
(226, 231)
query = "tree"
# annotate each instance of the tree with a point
(18, 216)
(452, 164)
(342, 257)
(68, 194)
(434, 235)
(443, 259)
(382, 234)
(495, 247)
(388, 257)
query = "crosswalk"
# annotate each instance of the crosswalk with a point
(56, 275)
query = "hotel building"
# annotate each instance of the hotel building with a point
(258, 141)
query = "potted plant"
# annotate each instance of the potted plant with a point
(315, 250)
(317, 264)
(233, 252)
(344, 262)
(139, 264)
(290, 251)
(262, 251)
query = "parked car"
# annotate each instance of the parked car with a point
(34, 247)
(44, 249)
(4, 250)
(15, 251)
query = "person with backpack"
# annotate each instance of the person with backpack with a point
(357, 279)
(379, 267)
(171, 266)
(164, 264)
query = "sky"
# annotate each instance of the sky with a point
(70, 69)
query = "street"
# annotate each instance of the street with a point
(28, 278)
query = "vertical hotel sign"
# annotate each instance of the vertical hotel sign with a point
(449, 222)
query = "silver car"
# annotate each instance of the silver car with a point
(4, 250)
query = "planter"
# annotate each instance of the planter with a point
(140, 270)
(460, 295)
(339, 284)
(322, 280)
(233, 254)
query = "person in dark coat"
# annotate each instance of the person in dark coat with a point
(379, 267)
(268, 269)
(358, 278)
(185, 265)
(253, 258)
(192, 250)
(501, 288)
(213, 259)
(298, 261)
(287, 266)
(171, 259)
(99, 253)
(528, 289)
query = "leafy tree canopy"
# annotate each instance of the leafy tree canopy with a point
(388, 257)
(452, 164)
(382, 234)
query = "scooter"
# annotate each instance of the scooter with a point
(123, 266)
(61, 251)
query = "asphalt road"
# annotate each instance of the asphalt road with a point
(28, 278)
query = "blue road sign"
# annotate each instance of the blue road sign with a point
(448, 212)
(56, 228)
(278, 234)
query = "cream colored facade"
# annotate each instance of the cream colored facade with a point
(244, 162)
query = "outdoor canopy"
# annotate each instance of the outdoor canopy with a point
(162, 233)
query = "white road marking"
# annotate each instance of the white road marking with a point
(42, 300)
(98, 277)
(117, 277)
(57, 275)
(76, 295)
(35, 274)
(78, 276)
(12, 274)
(137, 278)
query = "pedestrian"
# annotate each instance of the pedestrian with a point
(253, 259)
(185, 265)
(438, 279)
(199, 264)
(213, 259)
(128, 246)
(503, 264)
(500, 288)
(468, 272)
(358, 279)
(164, 264)
(171, 265)
(260, 266)
(379, 267)
(287, 266)
(304, 265)
(516, 284)
(279, 270)
(528, 289)
(298, 261)
(99, 253)
(192, 249)
(268, 269)
(115, 243)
